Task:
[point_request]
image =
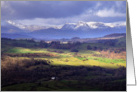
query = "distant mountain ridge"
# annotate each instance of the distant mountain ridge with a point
(116, 35)
(99, 39)
(68, 31)
(73, 26)
(92, 25)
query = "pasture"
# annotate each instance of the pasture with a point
(57, 67)
(81, 58)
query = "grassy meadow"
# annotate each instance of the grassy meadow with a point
(29, 65)
(81, 58)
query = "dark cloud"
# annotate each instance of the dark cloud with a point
(50, 9)
(43, 9)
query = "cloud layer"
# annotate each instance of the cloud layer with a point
(109, 13)
(48, 13)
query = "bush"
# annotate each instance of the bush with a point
(74, 50)
(89, 47)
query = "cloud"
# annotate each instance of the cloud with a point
(52, 13)
(85, 16)
(6, 9)
(52, 9)
(119, 4)
(44, 9)
(98, 5)
(109, 13)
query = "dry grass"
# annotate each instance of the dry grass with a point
(112, 55)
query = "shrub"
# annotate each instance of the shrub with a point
(89, 47)
(74, 50)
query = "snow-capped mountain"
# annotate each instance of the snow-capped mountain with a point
(31, 27)
(68, 30)
(92, 25)
(70, 26)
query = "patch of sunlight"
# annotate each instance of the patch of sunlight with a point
(77, 62)
(82, 58)
(107, 60)
(26, 50)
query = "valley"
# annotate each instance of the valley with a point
(56, 65)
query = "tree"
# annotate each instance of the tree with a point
(43, 44)
(89, 47)
(74, 50)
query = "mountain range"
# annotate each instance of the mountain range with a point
(68, 30)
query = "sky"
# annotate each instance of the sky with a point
(50, 13)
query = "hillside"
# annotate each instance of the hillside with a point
(116, 35)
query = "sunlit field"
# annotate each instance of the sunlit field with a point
(29, 65)
(104, 59)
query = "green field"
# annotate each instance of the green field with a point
(81, 58)
(30, 66)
